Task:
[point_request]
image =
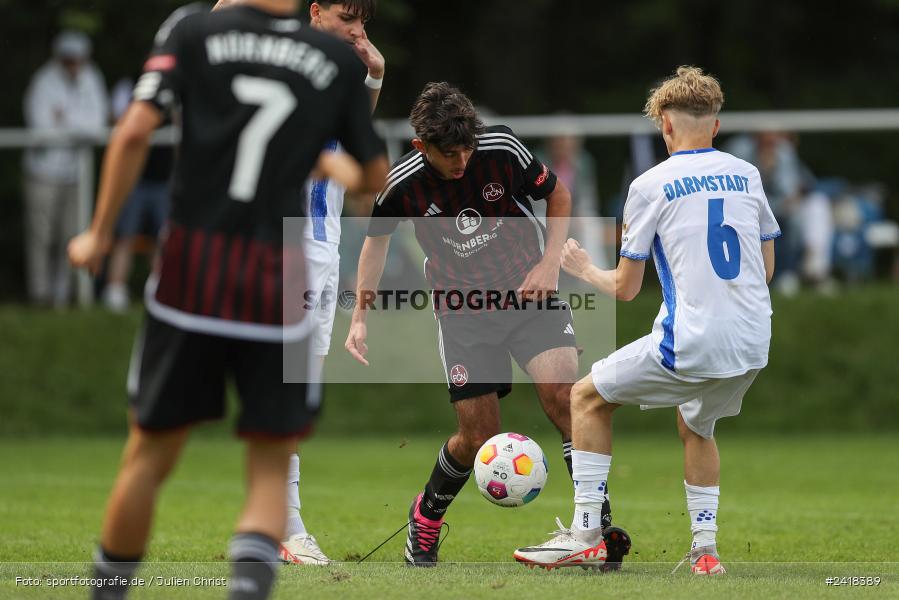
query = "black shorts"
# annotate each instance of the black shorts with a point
(476, 349)
(178, 377)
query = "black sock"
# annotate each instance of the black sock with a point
(606, 514)
(566, 454)
(447, 479)
(113, 574)
(254, 558)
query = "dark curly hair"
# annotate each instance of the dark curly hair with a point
(445, 117)
(363, 8)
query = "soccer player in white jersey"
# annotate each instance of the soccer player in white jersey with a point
(703, 217)
(345, 19)
(323, 200)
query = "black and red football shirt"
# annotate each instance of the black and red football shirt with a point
(478, 232)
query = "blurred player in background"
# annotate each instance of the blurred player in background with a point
(704, 218)
(324, 204)
(323, 197)
(253, 125)
(464, 182)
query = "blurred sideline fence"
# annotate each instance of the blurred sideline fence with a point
(397, 131)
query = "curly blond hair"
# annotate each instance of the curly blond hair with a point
(689, 90)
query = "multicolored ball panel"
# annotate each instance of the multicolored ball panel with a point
(523, 464)
(497, 489)
(531, 495)
(488, 453)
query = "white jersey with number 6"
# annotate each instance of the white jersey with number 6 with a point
(702, 215)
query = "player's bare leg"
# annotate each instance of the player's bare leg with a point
(254, 548)
(554, 371)
(263, 510)
(147, 460)
(702, 471)
(478, 421)
(702, 464)
(592, 418)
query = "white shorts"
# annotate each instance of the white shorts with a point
(323, 277)
(634, 375)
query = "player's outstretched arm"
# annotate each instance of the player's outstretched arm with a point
(122, 165)
(622, 283)
(628, 278)
(368, 276)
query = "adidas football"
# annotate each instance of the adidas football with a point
(510, 469)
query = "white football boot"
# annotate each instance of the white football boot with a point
(302, 549)
(703, 561)
(564, 549)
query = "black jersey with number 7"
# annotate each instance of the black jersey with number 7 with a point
(257, 96)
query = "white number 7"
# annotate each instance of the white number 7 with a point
(276, 102)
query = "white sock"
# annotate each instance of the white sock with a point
(295, 523)
(590, 474)
(702, 504)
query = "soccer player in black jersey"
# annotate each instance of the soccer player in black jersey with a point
(469, 190)
(259, 95)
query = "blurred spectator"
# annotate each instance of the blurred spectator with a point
(803, 212)
(862, 230)
(566, 156)
(67, 93)
(143, 214)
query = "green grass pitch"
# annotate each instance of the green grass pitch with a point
(795, 510)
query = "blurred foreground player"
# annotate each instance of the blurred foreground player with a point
(260, 95)
(704, 218)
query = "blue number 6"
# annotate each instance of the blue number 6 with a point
(723, 242)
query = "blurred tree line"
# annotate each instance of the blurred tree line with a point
(542, 56)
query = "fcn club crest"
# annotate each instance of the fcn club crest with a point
(493, 192)
(458, 375)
